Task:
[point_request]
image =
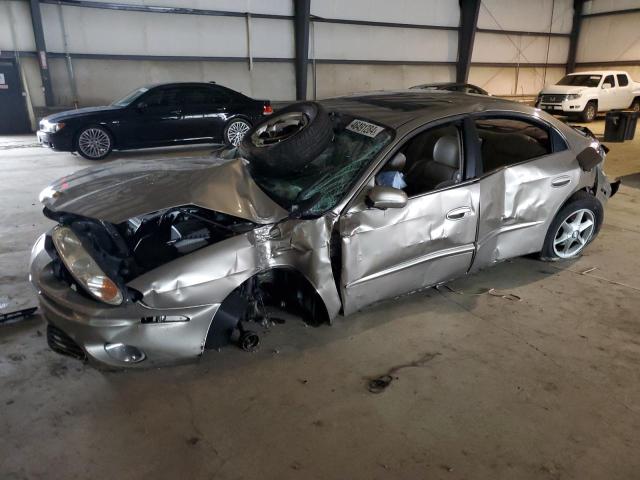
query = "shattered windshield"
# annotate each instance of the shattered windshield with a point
(581, 80)
(129, 98)
(324, 181)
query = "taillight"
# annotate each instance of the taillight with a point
(267, 109)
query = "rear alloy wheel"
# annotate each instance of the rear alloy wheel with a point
(574, 233)
(235, 132)
(94, 143)
(575, 226)
(589, 113)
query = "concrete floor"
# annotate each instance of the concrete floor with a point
(543, 388)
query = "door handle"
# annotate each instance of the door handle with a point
(458, 213)
(561, 181)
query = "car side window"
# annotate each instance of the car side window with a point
(162, 97)
(433, 160)
(623, 81)
(609, 79)
(196, 96)
(508, 141)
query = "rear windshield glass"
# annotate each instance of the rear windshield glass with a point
(581, 80)
(320, 184)
(130, 97)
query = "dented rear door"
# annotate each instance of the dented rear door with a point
(518, 201)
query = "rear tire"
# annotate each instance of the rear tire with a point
(235, 131)
(289, 139)
(635, 106)
(575, 226)
(590, 111)
(94, 142)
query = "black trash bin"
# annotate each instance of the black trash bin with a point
(620, 126)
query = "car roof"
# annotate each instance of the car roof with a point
(396, 108)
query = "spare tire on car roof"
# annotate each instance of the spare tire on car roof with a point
(289, 139)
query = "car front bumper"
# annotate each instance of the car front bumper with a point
(57, 141)
(81, 325)
(564, 107)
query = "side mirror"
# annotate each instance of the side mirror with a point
(386, 197)
(606, 86)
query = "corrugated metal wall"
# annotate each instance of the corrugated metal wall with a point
(523, 52)
(392, 45)
(610, 38)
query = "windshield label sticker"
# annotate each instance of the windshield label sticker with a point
(364, 128)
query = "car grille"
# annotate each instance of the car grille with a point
(553, 98)
(62, 343)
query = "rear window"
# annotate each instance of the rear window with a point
(508, 141)
(623, 81)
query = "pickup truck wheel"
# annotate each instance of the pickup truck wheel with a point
(635, 106)
(589, 112)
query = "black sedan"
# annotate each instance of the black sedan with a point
(154, 116)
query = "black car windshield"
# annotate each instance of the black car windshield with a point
(581, 80)
(129, 98)
(320, 184)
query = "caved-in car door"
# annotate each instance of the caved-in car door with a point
(527, 172)
(431, 239)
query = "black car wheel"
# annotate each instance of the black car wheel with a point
(635, 106)
(235, 131)
(573, 228)
(94, 143)
(289, 139)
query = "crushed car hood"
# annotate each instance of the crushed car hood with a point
(117, 191)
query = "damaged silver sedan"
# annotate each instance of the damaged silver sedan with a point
(324, 209)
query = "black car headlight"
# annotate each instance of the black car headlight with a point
(83, 267)
(51, 127)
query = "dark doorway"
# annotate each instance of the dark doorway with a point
(13, 107)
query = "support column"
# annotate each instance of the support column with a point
(469, 10)
(41, 47)
(575, 35)
(302, 11)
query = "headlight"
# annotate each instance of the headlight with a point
(84, 268)
(573, 96)
(51, 127)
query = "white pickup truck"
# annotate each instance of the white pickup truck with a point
(584, 94)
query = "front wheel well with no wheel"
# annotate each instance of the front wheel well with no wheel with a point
(281, 288)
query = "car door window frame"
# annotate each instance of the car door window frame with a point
(556, 138)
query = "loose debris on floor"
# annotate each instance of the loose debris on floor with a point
(18, 315)
(380, 383)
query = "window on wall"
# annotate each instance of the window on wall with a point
(508, 141)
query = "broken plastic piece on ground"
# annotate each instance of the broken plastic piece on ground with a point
(506, 296)
(588, 270)
(12, 317)
(377, 385)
